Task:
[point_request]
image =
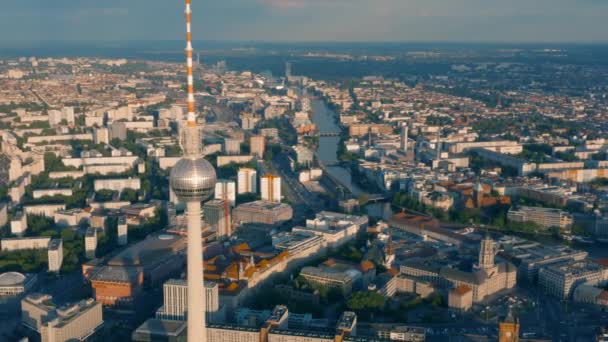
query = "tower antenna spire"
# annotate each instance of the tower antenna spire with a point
(191, 114)
(190, 135)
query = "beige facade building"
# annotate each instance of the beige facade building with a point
(175, 301)
(72, 322)
(225, 160)
(47, 210)
(270, 187)
(247, 181)
(232, 146)
(226, 190)
(560, 280)
(486, 279)
(257, 145)
(3, 214)
(55, 255)
(15, 244)
(119, 184)
(90, 242)
(278, 326)
(19, 224)
(544, 217)
(460, 298)
(262, 212)
(76, 322)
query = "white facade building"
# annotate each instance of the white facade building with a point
(247, 181)
(47, 210)
(15, 244)
(72, 322)
(101, 135)
(175, 301)
(90, 242)
(118, 184)
(3, 214)
(65, 115)
(225, 189)
(123, 231)
(271, 188)
(55, 255)
(19, 224)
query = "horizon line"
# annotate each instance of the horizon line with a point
(22, 43)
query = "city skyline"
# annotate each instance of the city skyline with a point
(308, 170)
(310, 20)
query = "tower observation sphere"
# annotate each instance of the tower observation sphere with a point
(193, 179)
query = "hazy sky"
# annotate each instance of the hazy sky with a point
(307, 20)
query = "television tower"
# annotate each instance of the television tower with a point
(193, 180)
(404, 136)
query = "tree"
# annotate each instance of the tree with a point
(366, 301)
(129, 195)
(350, 252)
(26, 261)
(38, 223)
(104, 195)
(435, 300)
(3, 192)
(54, 163)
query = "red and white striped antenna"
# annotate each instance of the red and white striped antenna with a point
(191, 115)
(191, 135)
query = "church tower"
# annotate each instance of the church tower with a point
(486, 254)
(508, 331)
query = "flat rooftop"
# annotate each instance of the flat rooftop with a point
(153, 248)
(116, 274)
(55, 244)
(263, 205)
(69, 312)
(576, 268)
(160, 327)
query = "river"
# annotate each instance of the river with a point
(326, 121)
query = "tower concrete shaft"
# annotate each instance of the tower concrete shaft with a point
(196, 298)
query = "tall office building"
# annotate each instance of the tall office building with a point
(68, 115)
(101, 135)
(90, 242)
(226, 190)
(171, 214)
(63, 116)
(55, 255)
(271, 188)
(247, 181)
(217, 215)
(119, 130)
(257, 145)
(232, 146)
(123, 230)
(175, 300)
(193, 180)
(404, 137)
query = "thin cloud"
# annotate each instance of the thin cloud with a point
(300, 4)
